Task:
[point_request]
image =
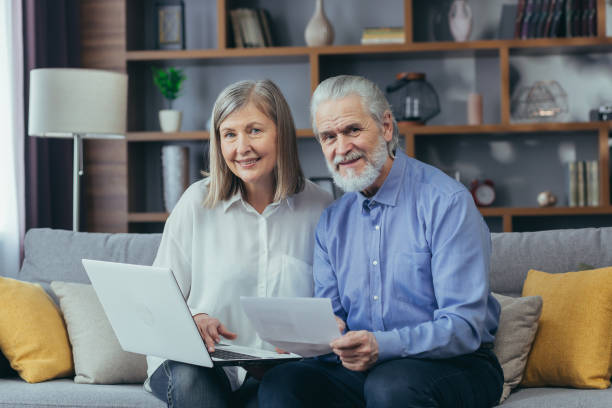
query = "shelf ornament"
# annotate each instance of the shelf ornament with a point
(460, 20)
(413, 99)
(319, 30)
(169, 82)
(543, 101)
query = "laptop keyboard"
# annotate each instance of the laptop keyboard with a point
(231, 355)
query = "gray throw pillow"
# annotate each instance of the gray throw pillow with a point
(98, 357)
(518, 324)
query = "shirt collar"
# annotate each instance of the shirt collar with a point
(388, 192)
(238, 197)
(231, 201)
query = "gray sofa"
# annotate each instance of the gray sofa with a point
(55, 255)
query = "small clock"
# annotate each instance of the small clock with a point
(483, 192)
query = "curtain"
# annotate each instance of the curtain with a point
(51, 40)
(12, 223)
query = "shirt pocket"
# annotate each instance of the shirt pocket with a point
(294, 279)
(412, 280)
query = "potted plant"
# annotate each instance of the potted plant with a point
(169, 82)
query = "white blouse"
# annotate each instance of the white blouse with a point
(219, 254)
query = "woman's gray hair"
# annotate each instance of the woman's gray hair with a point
(372, 98)
(270, 101)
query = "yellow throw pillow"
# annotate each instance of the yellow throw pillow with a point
(573, 345)
(33, 336)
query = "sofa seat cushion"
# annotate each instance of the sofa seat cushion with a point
(551, 397)
(16, 393)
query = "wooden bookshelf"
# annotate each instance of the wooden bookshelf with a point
(118, 29)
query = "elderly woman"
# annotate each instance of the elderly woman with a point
(245, 230)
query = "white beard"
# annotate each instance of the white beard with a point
(352, 182)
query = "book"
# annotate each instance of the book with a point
(383, 35)
(550, 13)
(592, 18)
(540, 18)
(264, 20)
(527, 19)
(555, 27)
(569, 7)
(572, 184)
(518, 21)
(581, 182)
(592, 171)
(255, 26)
(236, 29)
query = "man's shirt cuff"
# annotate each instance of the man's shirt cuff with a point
(389, 345)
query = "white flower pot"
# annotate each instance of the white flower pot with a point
(170, 120)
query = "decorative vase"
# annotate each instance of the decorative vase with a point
(170, 120)
(319, 30)
(175, 174)
(474, 109)
(460, 20)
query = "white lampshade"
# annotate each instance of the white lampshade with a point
(68, 101)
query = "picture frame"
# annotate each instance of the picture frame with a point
(170, 25)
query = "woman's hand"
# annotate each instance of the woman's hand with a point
(210, 329)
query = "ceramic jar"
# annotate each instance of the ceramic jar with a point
(319, 30)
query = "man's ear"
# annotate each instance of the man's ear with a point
(387, 125)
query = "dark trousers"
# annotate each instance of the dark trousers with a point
(182, 385)
(472, 380)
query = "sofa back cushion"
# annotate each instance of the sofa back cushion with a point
(557, 251)
(55, 255)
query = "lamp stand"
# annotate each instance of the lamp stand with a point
(77, 172)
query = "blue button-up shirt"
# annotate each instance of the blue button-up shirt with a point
(410, 264)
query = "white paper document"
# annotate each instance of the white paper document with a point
(303, 326)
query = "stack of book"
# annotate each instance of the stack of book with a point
(251, 28)
(383, 35)
(583, 183)
(555, 18)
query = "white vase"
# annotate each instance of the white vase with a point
(319, 30)
(175, 174)
(170, 120)
(460, 20)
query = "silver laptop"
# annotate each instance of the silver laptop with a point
(149, 315)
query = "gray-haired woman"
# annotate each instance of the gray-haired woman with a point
(245, 230)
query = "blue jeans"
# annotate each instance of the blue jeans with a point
(472, 380)
(182, 385)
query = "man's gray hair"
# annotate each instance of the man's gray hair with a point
(372, 98)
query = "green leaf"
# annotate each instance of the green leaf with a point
(168, 81)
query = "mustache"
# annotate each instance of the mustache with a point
(352, 155)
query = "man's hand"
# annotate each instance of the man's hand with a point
(358, 350)
(210, 329)
(341, 324)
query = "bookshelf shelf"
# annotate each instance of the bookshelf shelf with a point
(143, 217)
(517, 47)
(535, 211)
(161, 136)
(501, 128)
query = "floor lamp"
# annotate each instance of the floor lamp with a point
(77, 104)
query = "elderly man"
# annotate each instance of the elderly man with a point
(404, 258)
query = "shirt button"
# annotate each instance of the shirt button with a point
(375, 263)
(377, 227)
(375, 297)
